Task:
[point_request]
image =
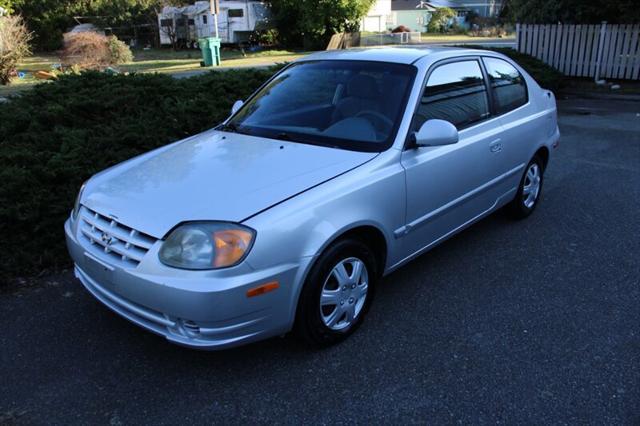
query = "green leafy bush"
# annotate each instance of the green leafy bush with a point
(49, 19)
(441, 20)
(310, 23)
(57, 135)
(571, 11)
(547, 77)
(120, 52)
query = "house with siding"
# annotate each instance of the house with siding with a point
(416, 14)
(237, 20)
(379, 18)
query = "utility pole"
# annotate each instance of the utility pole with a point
(215, 8)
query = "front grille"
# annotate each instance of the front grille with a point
(113, 239)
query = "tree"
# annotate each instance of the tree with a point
(168, 27)
(49, 19)
(14, 45)
(7, 5)
(311, 23)
(440, 19)
(571, 11)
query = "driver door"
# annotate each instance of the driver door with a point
(446, 185)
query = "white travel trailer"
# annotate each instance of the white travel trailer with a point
(237, 20)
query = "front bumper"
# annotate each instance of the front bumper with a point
(198, 309)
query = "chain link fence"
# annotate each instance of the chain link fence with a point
(385, 39)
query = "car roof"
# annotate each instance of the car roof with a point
(396, 54)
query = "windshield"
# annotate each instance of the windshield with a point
(354, 105)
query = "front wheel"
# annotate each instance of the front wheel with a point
(529, 190)
(337, 294)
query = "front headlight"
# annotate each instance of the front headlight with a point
(206, 245)
(76, 205)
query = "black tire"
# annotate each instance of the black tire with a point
(309, 324)
(520, 207)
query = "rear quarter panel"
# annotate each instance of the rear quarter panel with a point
(532, 126)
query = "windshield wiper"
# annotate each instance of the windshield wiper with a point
(234, 128)
(231, 128)
(283, 136)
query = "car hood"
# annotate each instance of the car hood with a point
(212, 176)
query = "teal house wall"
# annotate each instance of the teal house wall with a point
(415, 20)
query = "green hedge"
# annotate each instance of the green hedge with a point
(57, 135)
(546, 76)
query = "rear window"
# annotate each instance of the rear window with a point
(455, 92)
(508, 85)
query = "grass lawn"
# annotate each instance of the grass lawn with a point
(30, 65)
(168, 61)
(155, 60)
(185, 61)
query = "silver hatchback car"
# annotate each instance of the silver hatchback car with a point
(341, 168)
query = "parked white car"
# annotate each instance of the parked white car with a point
(340, 169)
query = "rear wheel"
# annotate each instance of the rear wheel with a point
(529, 190)
(337, 293)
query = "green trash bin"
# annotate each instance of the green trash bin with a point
(214, 50)
(206, 52)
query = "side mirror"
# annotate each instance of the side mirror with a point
(436, 133)
(236, 106)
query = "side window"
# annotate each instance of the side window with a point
(455, 92)
(236, 13)
(508, 85)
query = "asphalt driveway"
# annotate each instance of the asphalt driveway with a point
(510, 322)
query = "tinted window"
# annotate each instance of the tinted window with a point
(456, 93)
(347, 104)
(507, 83)
(236, 13)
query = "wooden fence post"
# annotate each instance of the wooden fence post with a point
(603, 32)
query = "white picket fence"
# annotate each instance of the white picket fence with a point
(598, 51)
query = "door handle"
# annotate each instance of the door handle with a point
(495, 146)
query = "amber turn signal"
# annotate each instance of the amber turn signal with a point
(231, 245)
(262, 289)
